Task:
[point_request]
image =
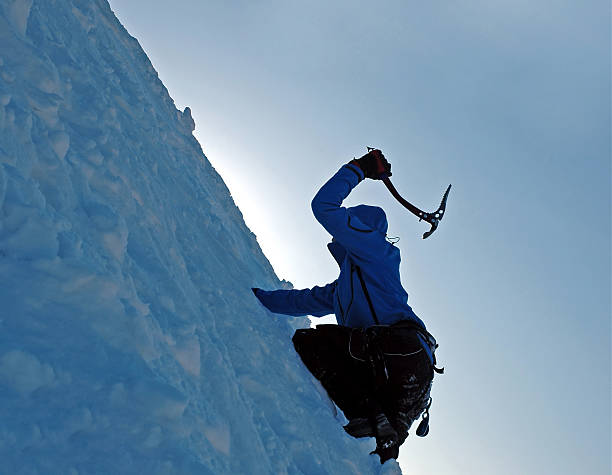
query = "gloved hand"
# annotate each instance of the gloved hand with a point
(386, 453)
(387, 441)
(374, 165)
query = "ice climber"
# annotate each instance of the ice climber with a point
(377, 364)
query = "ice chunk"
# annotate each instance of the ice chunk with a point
(159, 399)
(60, 141)
(116, 243)
(219, 437)
(187, 353)
(23, 372)
(187, 120)
(17, 12)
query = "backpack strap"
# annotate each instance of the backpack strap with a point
(427, 340)
(430, 345)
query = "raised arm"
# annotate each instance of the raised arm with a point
(348, 230)
(317, 301)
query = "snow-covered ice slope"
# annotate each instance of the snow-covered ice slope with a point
(130, 341)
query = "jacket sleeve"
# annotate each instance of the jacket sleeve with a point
(349, 231)
(317, 301)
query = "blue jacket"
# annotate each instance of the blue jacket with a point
(368, 290)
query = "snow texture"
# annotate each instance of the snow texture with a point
(130, 341)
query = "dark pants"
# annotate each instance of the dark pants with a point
(366, 373)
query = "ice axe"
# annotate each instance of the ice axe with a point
(433, 218)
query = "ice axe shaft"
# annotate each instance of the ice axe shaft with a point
(432, 218)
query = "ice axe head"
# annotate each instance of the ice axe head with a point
(436, 216)
(384, 172)
(432, 218)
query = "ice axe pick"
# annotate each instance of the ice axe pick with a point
(433, 218)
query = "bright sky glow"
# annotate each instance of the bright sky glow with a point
(507, 100)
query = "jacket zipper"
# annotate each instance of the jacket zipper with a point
(340, 305)
(367, 295)
(352, 291)
(343, 314)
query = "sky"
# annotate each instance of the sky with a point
(507, 100)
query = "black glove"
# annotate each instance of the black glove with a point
(374, 165)
(387, 441)
(386, 453)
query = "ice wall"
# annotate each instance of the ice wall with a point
(129, 338)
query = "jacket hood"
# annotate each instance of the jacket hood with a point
(362, 216)
(372, 216)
